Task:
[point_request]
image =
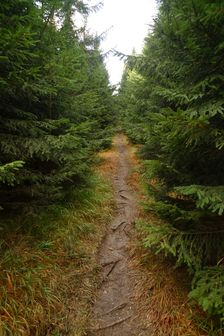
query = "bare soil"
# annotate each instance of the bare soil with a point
(115, 311)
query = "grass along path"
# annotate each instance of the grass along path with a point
(161, 291)
(140, 293)
(48, 270)
(53, 269)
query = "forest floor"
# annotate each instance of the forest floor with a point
(115, 312)
(139, 294)
(83, 270)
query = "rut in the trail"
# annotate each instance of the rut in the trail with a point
(114, 310)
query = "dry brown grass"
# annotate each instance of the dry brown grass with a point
(161, 290)
(47, 286)
(162, 293)
(48, 290)
(109, 159)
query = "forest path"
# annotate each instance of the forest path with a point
(115, 313)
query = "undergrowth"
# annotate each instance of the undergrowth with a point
(48, 272)
(171, 295)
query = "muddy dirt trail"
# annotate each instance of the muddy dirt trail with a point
(115, 313)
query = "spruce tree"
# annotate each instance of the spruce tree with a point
(177, 99)
(54, 95)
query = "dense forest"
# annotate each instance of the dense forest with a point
(58, 110)
(56, 113)
(172, 103)
(56, 102)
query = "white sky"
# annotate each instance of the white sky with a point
(130, 20)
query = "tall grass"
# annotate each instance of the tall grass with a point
(48, 271)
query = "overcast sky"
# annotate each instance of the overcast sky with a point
(128, 23)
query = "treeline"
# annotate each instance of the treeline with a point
(172, 102)
(56, 103)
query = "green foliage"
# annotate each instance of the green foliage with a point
(192, 248)
(56, 103)
(7, 172)
(208, 289)
(174, 94)
(50, 253)
(206, 197)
